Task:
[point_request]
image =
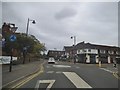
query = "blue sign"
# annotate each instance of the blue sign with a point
(3, 42)
(12, 38)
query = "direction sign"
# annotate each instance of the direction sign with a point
(12, 38)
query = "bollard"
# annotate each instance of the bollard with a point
(99, 63)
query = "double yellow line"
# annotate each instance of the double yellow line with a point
(18, 85)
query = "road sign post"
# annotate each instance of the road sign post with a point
(12, 39)
(10, 69)
(24, 54)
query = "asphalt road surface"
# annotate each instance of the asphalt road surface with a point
(69, 75)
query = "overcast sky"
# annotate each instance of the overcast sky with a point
(56, 22)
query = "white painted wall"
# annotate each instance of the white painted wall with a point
(97, 59)
(93, 51)
(109, 59)
(67, 54)
(88, 58)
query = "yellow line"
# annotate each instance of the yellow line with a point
(29, 78)
(115, 75)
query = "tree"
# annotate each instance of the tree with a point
(32, 44)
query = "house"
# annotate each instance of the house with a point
(56, 54)
(92, 53)
(68, 51)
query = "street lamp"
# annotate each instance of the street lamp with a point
(74, 37)
(25, 47)
(73, 53)
(33, 21)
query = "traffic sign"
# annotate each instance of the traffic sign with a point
(3, 42)
(12, 38)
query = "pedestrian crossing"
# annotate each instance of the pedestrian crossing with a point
(61, 66)
(74, 78)
(57, 72)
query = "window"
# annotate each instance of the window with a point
(89, 50)
(102, 51)
(111, 52)
(116, 52)
(84, 50)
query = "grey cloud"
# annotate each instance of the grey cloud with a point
(103, 12)
(57, 22)
(65, 13)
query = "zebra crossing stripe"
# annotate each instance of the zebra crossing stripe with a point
(76, 80)
(50, 72)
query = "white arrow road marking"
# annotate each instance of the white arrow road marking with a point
(51, 82)
(76, 80)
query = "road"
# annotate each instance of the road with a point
(69, 75)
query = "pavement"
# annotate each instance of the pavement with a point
(110, 68)
(19, 71)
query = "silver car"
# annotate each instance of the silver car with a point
(51, 60)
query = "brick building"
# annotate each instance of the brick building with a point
(92, 53)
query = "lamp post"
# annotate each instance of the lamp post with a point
(33, 21)
(25, 47)
(73, 53)
(74, 37)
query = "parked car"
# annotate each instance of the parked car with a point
(51, 60)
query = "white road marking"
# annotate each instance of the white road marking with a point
(62, 66)
(50, 72)
(76, 80)
(51, 82)
(48, 66)
(58, 72)
(106, 70)
(77, 67)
